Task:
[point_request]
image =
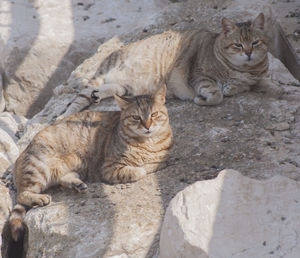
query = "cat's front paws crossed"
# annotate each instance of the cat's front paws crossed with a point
(231, 89)
(208, 93)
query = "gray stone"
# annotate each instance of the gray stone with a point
(55, 37)
(10, 126)
(2, 100)
(8, 151)
(233, 216)
(5, 208)
(120, 223)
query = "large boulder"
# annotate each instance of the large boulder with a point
(109, 221)
(233, 216)
(42, 42)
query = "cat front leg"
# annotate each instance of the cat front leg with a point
(83, 100)
(90, 95)
(107, 90)
(126, 174)
(153, 167)
(232, 89)
(207, 92)
(32, 199)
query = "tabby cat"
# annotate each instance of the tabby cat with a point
(198, 65)
(115, 147)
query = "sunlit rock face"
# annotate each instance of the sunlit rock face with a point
(233, 216)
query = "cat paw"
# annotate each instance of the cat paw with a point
(80, 187)
(229, 90)
(210, 100)
(41, 200)
(94, 97)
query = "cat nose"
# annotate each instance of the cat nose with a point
(248, 52)
(147, 124)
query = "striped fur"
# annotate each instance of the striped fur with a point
(198, 65)
(116, 147)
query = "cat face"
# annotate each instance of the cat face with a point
(144, 116)
(243, 44)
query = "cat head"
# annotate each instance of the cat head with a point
(243, 44)
(144, 116)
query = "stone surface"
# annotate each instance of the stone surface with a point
(5, 208)
(233, 216)
(42, 42)
(10, 126)
(2, 100)
(109, 221)
(8, 151)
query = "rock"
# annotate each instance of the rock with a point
(233, 216)
(121, 224)
(5, 208)
(279, 126)
(55, 37)
(2, 100)
(10, 126)
(8, 151)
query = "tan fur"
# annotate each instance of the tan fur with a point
(116, 147)
(198, 65)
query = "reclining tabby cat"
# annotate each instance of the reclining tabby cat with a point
(195, 65)
(115, 147)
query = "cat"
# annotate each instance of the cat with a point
(195, 65)
(115, 147)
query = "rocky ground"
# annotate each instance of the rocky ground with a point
(256, 133)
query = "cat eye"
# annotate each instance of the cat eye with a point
(255, 42)
(154, 114)
(238, 45)
(136, 117)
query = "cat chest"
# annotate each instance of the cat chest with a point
(236, 78)
(144, 155)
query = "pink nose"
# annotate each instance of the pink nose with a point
(147, 124)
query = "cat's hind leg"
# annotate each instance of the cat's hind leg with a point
(178, 85)
(31, 199)
(90, 95)
(208, 93)
(71, 180)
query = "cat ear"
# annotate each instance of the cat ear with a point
(122, 102)
(160, 95)
(228, 26)
(259, 21)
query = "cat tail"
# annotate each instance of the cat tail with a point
(16, 222)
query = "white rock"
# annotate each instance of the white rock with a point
(9, 126)
(233, 216)
(2, 100)
(43, 41)
(12, 124)
(8, 151)
(5, 208)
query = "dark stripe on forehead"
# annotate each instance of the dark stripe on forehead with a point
(144, 104)
(245, 30)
